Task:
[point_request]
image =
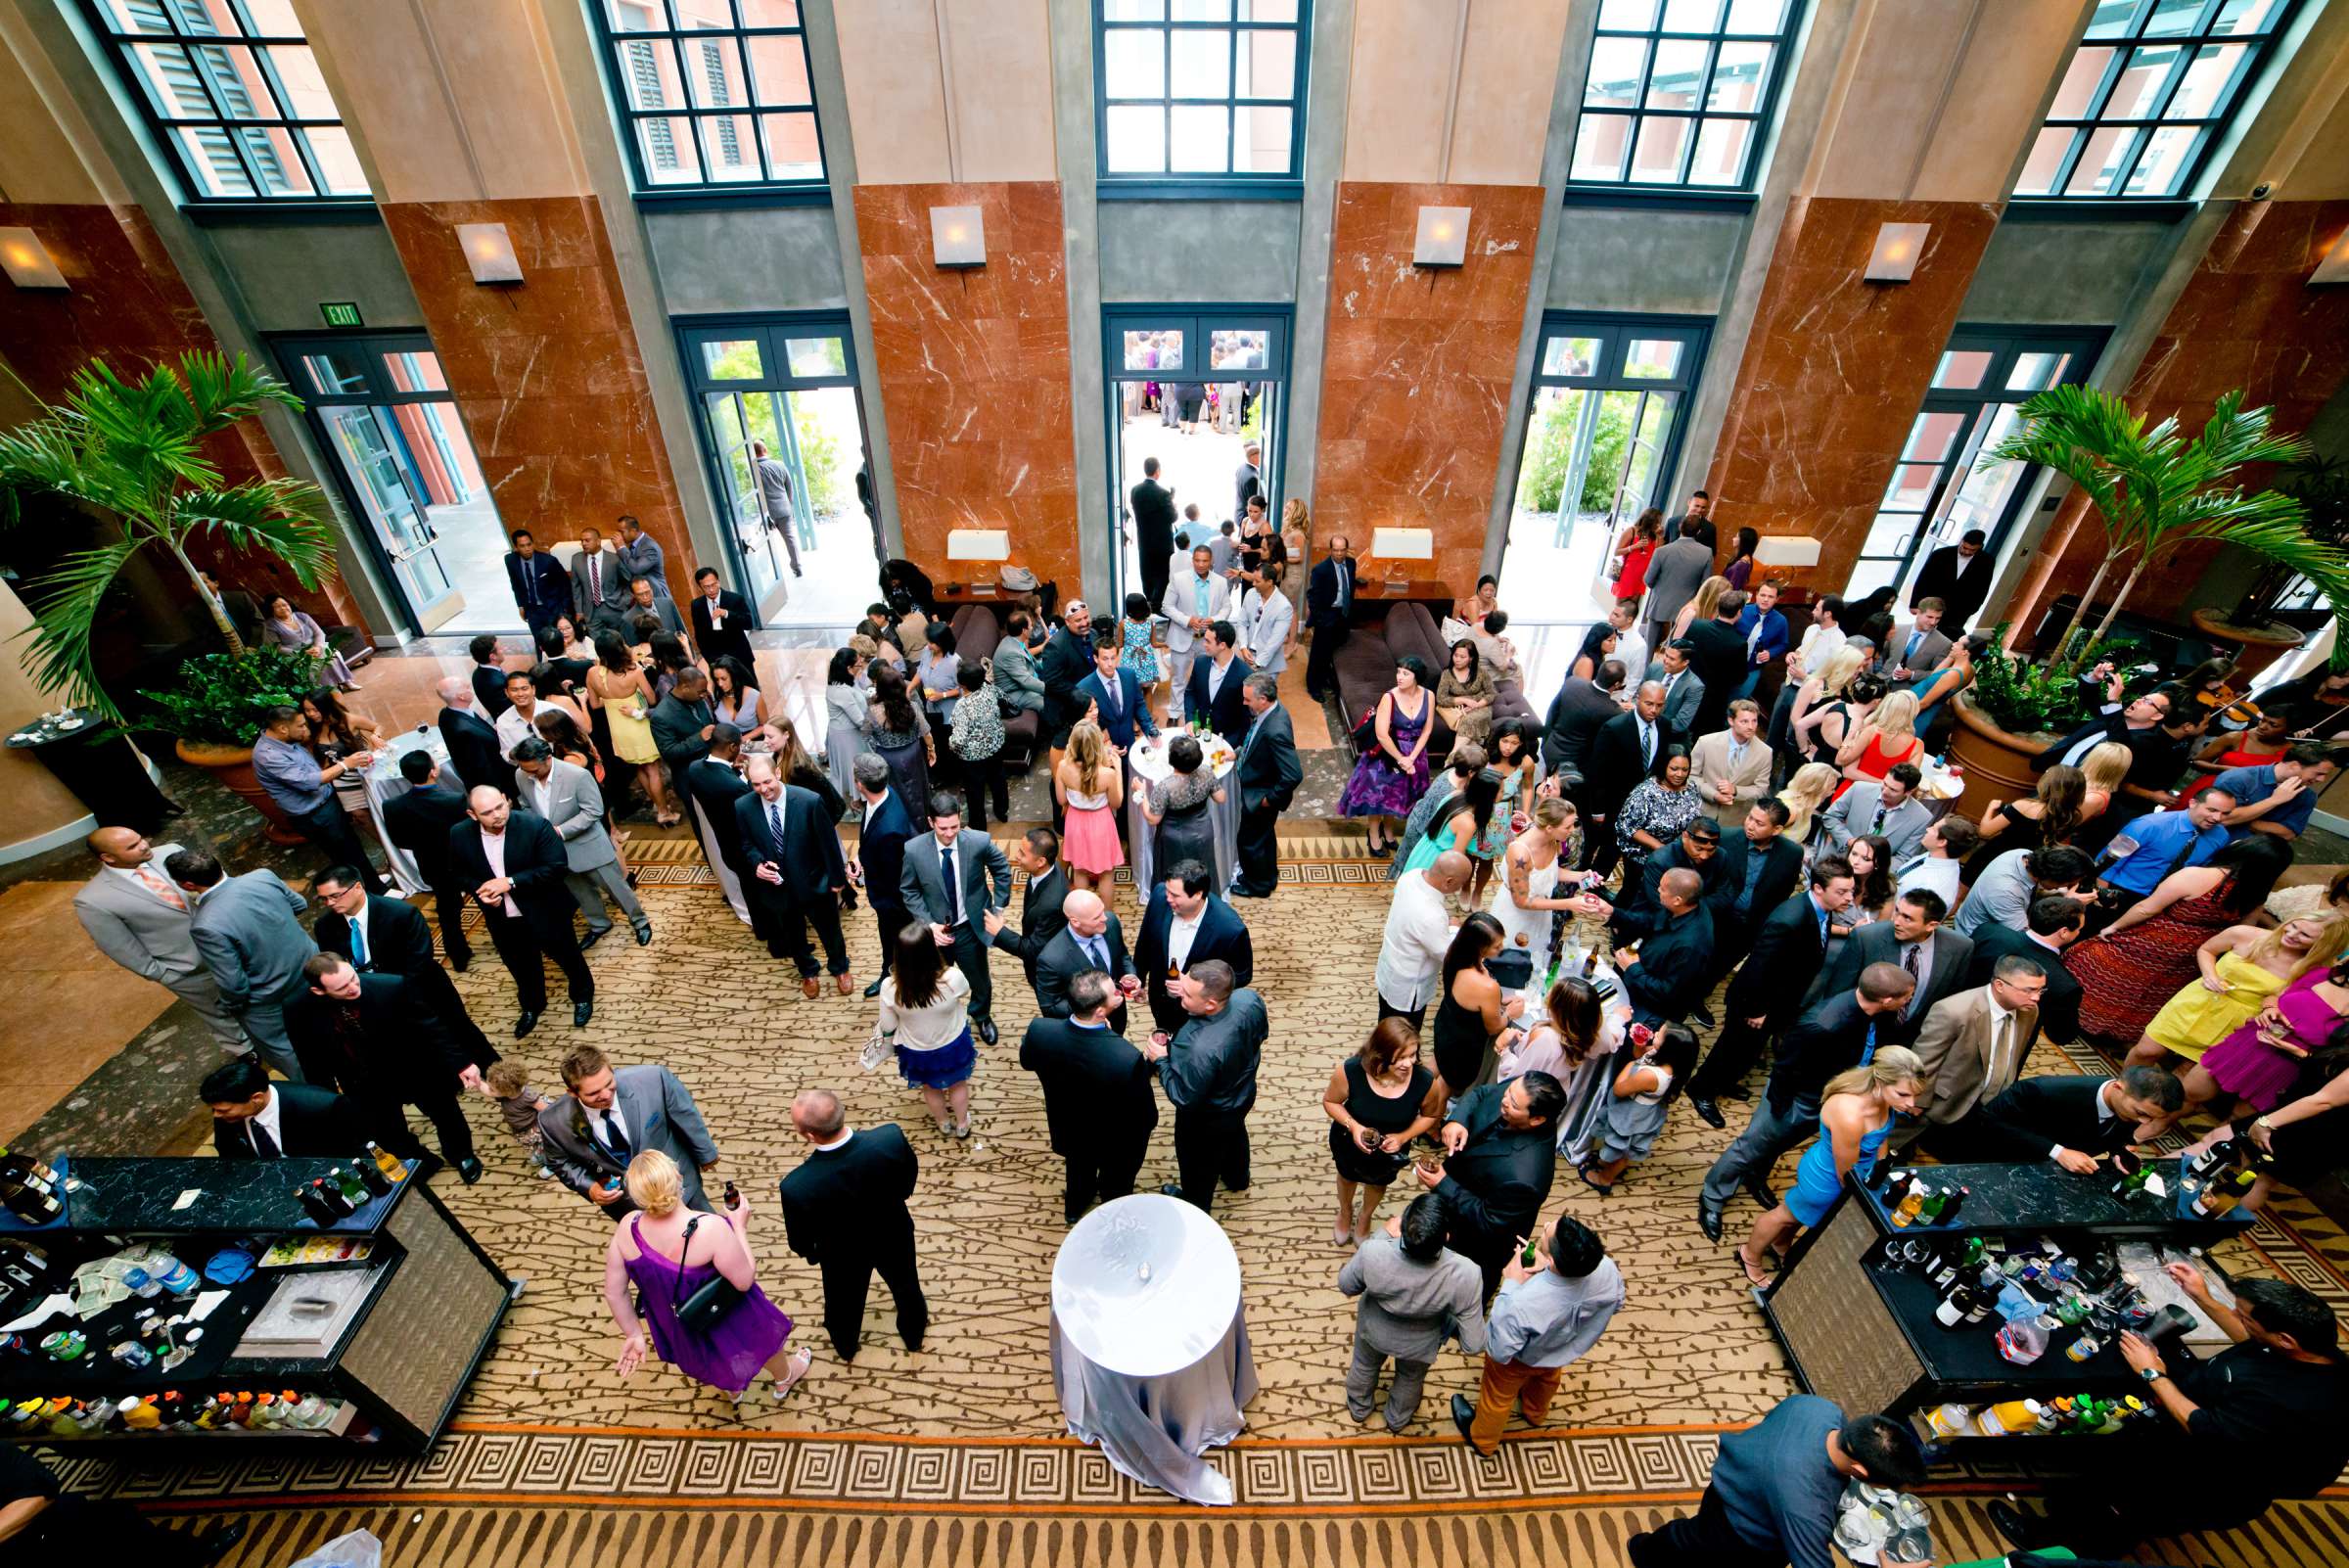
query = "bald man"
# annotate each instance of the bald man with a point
(473, 751)
(1092, 940)
(140, 920)
(1664, 976)
(1410, 953)
(843, 1211)
(512, 865)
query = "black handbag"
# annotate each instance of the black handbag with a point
(702, 1312)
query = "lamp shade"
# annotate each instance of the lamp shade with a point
(1443, 238)
(27, 261)
(1898, 245)
(978, 545)
(2334, 269)
(1786, 550)
(489, 253)
(958, 236)
(1403, 545)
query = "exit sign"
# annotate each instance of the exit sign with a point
(341, 312)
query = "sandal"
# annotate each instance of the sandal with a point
(1753, 1273)
(799, 1369)
(1339, 1235)
(1605, 1189)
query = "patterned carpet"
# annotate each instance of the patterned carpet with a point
(954, 1455)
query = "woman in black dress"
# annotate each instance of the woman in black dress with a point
(1379, 1100)
(1472, 1020)
(1177, 805)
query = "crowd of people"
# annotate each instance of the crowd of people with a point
(1568, 902)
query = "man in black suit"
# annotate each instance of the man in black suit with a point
(419, 821)
(1089, 938)
(1501, 1152)
(1209, 1069)
(721, 621)
(1268, 773)
(1153, 529)
(2051, 925)
(512, 865)
(1934, 957)
(1066, 660)
(371, 1039)
(2142, 724)
(843, 1211)
(472, 748)
(796, 873)
(489, 675)
(1581, 705)
(1328, 616)
(1640, 911)
(1665, 978)
(1214, 692)
(1788, 949)
(1628, 748)
(1958, 575)
(1098, 1106)
(1760, 870)
(1037, 854)
(949, 880)
(1185, 925)
(1719, 661)
(1837, 1032)
(880, 857)
(388, 937)
(542, 587)
(253, 1119)
(712, 784)
(2072, 1119)
(682, 721)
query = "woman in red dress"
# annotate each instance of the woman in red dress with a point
(2141, 961)
(1635, 547)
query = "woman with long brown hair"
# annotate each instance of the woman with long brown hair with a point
(1573, 1041)
(1473, 1015)
(2051, 817)
(1379, 1100)
(925, 1017)
(901, 737)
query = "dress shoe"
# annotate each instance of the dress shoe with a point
(1463, 1416)
(1172, 1190)
(809, 988)
(845, 982)
(1762, 1192)
(525, 1024)
(213, 1545)
(594, 937)
(580, 1012)
(644, 935)
(460, 965)
(2016, 1526)
(469, 1169)
(873, 990)
(1701, 1016)
(986, 1030)
(1708, 1220)
(1706, 1111)
(1734, 1094)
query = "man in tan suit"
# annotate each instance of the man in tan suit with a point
(137, 917)
(1973, 1045)
(1730, 768)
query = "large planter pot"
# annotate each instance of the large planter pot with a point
(2255, 647)
(231, 765)
(1996, 762)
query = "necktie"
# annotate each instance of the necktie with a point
(1345, 585)
(774, 823)
(1098, 952)
(1910, 652)
(263, 1144)
(1736, 755)
(595, 576)
(1647, 745)
(1999, 1056)
(1909, 961)
(158, 887)
(614, 1138)
(1111, 691)
(945, 874)
(1868, 1051)
(2192, 838)
(358, 946)
(1909, 865)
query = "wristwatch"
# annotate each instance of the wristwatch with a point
(2151, 1374)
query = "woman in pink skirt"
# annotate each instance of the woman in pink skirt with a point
(1090, 785)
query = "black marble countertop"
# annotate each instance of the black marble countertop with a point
(240, 1197)
(2044, 1196)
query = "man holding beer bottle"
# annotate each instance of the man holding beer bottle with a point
(1553, 1305)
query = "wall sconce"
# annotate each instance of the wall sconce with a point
(1786, 550)
(489, 253)
(27, 261)
(1898, 245)
(1443, 238)
(958, 236)
(2334, 269)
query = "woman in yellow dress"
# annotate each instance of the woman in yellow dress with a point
(624, 697)
(2244, 969)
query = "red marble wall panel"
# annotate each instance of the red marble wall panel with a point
(546, 372)
(2246, 318)
(1415, 377)
(972, 366)
(1834, 370)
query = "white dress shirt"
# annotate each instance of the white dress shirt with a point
(1410, 955)
(513, 729)
(1937, 873)
(268, 1120)
(494, 850)
(1181, 934)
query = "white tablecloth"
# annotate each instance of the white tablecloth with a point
(1150, 1355)
(385, 782)
(1148, 762)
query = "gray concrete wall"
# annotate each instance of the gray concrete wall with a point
(1229, 253)
(748, 258)
(1639, 260)
(285, 271)
(2064, 274)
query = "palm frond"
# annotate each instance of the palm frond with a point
(64, 606)
(221, 390)
(144, 427)
(282, 517)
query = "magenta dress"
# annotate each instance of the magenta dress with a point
(1378, 787)
(2247, 1067)
(746, 1340)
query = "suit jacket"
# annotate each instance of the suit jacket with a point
(1956, 1045)
(1781, 873)
(1674, 964)
(1639, 910)
(2039, 1113)
(1223, 934)
(1720, 662)
(713, 788)
(881, 850)
(1612, 769)
(419, 821)
(1225, 715)
(1097, 1087)
(312, 1124)
(1959, 596)
(732, 640)
(1829, 1038)
(1674, 575)
(246, 930)
(574, 808)
(1931, 648)
(1064, 664)
(2156, 759)
(490, 689)
(1153, 520)
(1129, 714)
(643, 558)
(1493, 1191)
(1575, 715)
(1062, 960)
(847, 1206)
(534, 863)
(1210, 1063)
(1040, 919)
(662, 609)
(403, 1052)
(657, 1111)
(1873, 943)
(2058, 1016)
(678, 729)
(1181, 600)
(1709, 765)
(140, 931)
(812, 866)
(1849, 818)
(541, 591)
(614, 600)
(1269, 768)
(1322, 593)
(473, 751)
(1787, 951)
(399, 943)
(1683, 698)
(924, 892)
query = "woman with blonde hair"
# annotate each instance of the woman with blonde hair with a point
(1296, 537)
(1090, 787)
(1700, 609)
(1806, 794)
(1888, 739)
(668, 1252)
(2244, 968)
(1820, 700)
(2104, 770)
(1856, 1112)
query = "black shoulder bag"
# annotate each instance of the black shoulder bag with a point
(702, 1312)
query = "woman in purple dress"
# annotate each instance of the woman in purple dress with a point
(2261, 1062)
(667, 1252)
(1392, 774)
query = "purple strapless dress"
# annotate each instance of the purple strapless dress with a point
(730, 1355)
(2246, 1066)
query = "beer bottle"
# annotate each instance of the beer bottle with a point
(389, 1165)
(1936, 1199)
(1955, 1201)
(371, 1179)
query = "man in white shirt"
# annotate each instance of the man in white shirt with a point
(254, 1119)
(1820, 643)
(1195, 601)
(1410, 955)
(519, 722)
(1941, 864)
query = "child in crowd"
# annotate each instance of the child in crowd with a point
(520, 1104)
(1137, 654)
(1643, 1093)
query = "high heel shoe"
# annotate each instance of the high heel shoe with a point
(1755, 1275)
(799, 1363)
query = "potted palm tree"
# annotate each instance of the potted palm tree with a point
(134, 453)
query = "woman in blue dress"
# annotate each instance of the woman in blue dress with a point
(1955, 674)
(1856, 1112)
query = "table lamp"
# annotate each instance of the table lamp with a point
(982, 546)
(1395, 546)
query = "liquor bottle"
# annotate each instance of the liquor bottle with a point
(1903, 1213)
(2007, 1417)
(329, 1200)
(393, 1168)
(1957, 1201)
(371, 1178)
(1944, 1269)
(1956, 1304)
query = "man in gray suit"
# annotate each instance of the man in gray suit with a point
(1890, 808)
(1683, 692)
(599, 583)
(566, 795)
(642, 555)
(1674, 575)
(611, 1116)
(1933, 954)
(141, 921)
(949, 882)
(1416, 1294)
(248, 932)
(1919, 647)
(646, 598)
